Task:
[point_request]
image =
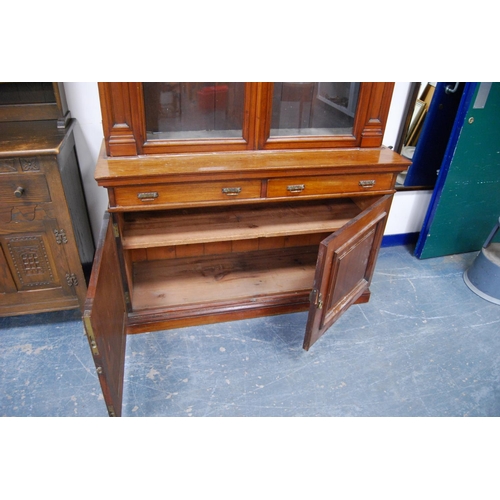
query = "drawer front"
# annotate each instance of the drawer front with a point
(328, 184)
(172, 194)
(19, 189)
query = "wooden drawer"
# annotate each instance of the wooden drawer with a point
(328, 184)
(17, 189)
(173, 194)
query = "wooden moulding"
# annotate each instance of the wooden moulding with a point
(154, 320)
(123, 171)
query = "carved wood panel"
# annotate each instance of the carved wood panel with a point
(31, 261)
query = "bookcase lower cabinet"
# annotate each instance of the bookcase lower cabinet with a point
(234, 242)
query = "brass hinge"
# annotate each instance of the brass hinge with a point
(90, 334)
(71, 279)
(316, 298)
(116, 232)
(60, 236)
(127, 298)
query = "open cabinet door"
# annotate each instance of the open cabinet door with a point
(104, 318)
(345, 265)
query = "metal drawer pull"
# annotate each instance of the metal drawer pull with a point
(296, 188)
(19, 192)
(232, 191)
(147, 196)
(367, 184)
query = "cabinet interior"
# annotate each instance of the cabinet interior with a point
(187, 257)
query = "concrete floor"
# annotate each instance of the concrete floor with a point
(424, 345)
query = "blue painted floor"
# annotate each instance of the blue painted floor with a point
(424, 345)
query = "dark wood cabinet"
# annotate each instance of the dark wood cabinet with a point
(231, 201)
(34, 101)
(45, 241)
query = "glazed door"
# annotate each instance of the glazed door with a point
(304, 115)
(105, 317)
(176, 117)
(345, 265)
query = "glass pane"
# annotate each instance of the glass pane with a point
(194, 110)
(306, 108)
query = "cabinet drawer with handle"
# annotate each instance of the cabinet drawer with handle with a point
(18, 189)
(328, 184)
(174, 194)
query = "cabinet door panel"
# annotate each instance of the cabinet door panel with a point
(32, 261)
(37, 261)
(346, 261)
(105, 319)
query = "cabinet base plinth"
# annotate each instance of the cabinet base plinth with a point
(151, 321)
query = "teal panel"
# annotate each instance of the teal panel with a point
(469, 204)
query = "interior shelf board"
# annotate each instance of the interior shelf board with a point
(221, 278)
(146, 230)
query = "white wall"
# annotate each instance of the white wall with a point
(408, 209)
(399, 98)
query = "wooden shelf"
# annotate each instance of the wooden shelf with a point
(168, 284)
(208, 225)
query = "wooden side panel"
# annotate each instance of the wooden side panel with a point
(345, 266)
(71, 180)
(105, 317)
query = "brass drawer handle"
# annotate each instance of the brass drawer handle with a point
(367, 184)
(147, 196)
(296, 188)
(232, 191)
(19, 192)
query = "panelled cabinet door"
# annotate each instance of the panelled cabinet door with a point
(104, 318)
(35, 268)
(346, 261)
(35, 265)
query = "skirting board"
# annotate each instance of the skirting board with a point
(392, 240)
